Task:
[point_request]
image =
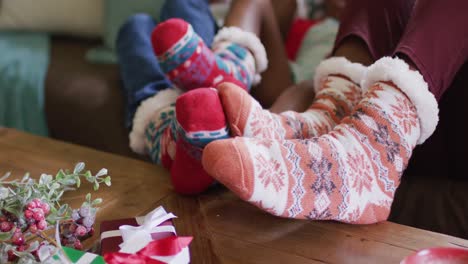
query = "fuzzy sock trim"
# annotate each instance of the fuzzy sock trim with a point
(411, 83)
(339, 65)
(144, 113)
(248, 40)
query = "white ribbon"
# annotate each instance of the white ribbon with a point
(136, 238)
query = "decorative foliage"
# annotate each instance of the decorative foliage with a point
(34, 223)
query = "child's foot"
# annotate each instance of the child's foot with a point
(201, 120)
(239, 56)
(348, 175)
(337, 92)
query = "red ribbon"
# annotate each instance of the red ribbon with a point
(168, 246)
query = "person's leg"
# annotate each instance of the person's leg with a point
(349, 174)
(141, 75)
(146, 82)
(235, 42)
(438, 57)
(363, 37)
(259, 17)
(196, 12)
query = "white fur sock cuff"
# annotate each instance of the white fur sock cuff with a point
(339, 65)
(144, 113)
(412, 84)
(248, 40)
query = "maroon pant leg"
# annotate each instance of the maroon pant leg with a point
(379, 23)
(436, 41)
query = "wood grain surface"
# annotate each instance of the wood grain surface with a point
(225, 229)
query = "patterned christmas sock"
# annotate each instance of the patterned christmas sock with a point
(348, 175)
(196, 128)
(154, 127)
(337, 92)
(238, 56)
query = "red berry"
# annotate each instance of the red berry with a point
(18, 238)
(46, 208)
(38, 214)
(31, 205)
(80, 231)
(28, 214)
(78, 245)
(11, 256)
(3, 218)
(42, 225)
(22, 248)
(33, 228)
(6, 226)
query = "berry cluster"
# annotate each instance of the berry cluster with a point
(35, 215)
(79, 228)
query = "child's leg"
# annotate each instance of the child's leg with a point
(153, 122)
(195, 129)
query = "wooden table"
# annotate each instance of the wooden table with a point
(225, 229)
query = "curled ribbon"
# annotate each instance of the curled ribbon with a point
(136, 238)
(168, 246)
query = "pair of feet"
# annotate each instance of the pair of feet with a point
(237, 57)
(340, 160)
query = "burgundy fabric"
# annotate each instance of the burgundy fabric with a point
(428, 32)
(433, 35)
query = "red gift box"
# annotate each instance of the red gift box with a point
(157, 224)
(111, 242)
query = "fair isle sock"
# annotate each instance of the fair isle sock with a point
(337, 92)
(190, 64)
(161, 136)
(348, 175)
(154, 127)
(196, 128)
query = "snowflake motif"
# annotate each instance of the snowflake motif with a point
(261, 125)
(382, 136)
(406, 114)
(270, 172)
(361, 177)
(321, 169)
(316, 215)
(297, 126)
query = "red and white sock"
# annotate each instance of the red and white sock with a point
(238, 56)
(196, 128)
(348, 175)
(154, 130)
(337, 92)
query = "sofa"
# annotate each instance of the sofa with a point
(85, 106)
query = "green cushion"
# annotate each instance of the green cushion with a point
(116, 12)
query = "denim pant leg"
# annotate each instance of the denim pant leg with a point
(141, 74)
(140, 71)
(195, 12)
